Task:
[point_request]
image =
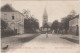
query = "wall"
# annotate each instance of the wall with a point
(15, 23)
(73, 26)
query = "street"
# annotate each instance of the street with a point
(56, 43)
(39, 27)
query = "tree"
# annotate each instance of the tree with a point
(72, 13)
(65, 20)
(34, 23)
(26, 13)
(65, 23)
(31, 24)
(3, 25)
(55, 26)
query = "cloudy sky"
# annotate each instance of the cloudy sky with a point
(55, 9)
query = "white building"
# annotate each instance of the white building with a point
(14, 18)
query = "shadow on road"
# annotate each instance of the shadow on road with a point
(27, 39)
(72, 40)
(17, 41)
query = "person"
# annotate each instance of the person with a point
(52, 32)
(46, 35)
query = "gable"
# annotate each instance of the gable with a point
(7, 8)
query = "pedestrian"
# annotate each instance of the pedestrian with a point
(46, 35)
(52, 32)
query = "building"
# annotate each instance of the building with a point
(74, 25)
(14, 18)
(45, 25)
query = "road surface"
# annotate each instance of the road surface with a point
(55, 43)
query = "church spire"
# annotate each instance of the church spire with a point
(45, 17)
(45, 12)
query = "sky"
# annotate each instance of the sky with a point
(55, 9)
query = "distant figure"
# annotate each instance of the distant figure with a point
(52, 32)
(46, 35)
(5, 48)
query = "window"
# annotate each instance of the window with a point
(12, 17)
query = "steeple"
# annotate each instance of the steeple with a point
(45, 12)
(45, 17)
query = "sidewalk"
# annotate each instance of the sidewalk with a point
(72, 38)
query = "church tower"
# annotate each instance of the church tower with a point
(45, 17)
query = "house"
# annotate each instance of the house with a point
(74, 25)
(14, 18)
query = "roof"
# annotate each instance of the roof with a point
(47, 25)
(77, 16)
(7, 8)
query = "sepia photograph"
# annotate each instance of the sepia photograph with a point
(39, 26)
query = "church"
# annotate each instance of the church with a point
(13, 18)
(45, 24)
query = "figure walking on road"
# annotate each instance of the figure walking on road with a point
(52, 32)
(46, 35)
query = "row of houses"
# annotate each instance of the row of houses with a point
(13, 18)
